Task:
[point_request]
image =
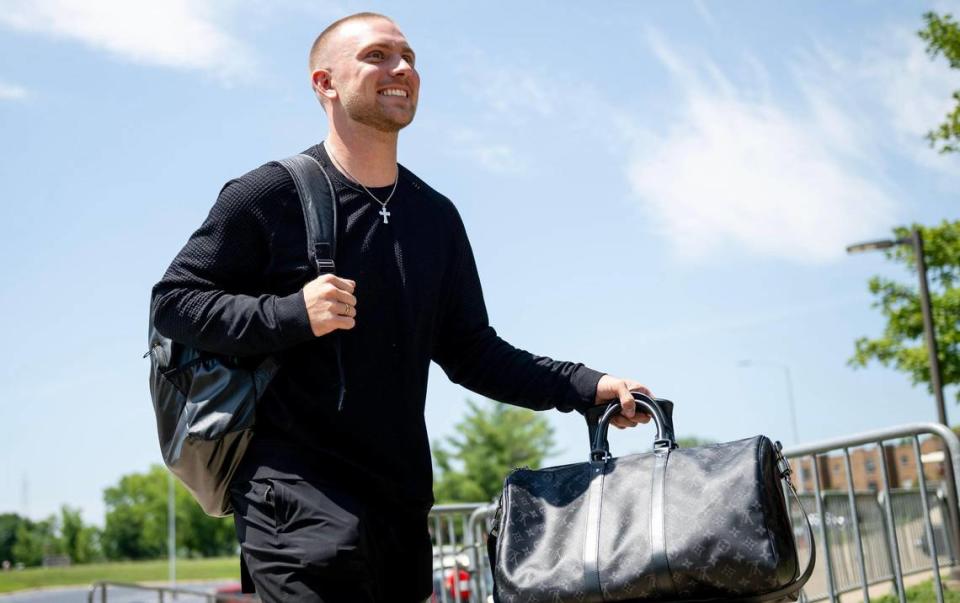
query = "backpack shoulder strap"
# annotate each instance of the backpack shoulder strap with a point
(319, 209)
(319, 204)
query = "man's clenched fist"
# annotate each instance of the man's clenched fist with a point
(330, 303)
(614, 388)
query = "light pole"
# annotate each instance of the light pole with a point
(790, 400)
(936, 382)
(172, 530)
(916, 240)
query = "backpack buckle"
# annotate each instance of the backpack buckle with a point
(326, 266)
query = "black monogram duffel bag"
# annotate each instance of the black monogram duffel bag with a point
(677, 524)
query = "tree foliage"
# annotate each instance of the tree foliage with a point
(198, 534)
(902, 345)
(490, 441)
(9, 524)
(26, 541)
(136, 516)
(942, 35)
(694, 441)
(36, 540)
(81, 542)
(136, 520)
(135, 527)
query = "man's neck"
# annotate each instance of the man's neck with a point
(367, 155)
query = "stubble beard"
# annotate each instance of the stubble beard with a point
(373, 115)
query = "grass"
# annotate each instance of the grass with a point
(219, 568)
(922, 593)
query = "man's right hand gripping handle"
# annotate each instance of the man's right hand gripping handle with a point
(331, 303)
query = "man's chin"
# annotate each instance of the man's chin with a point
(391, 124)
(401, 118)
(385, 119)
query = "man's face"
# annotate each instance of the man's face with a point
(373, 74)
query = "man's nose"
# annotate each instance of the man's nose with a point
(402, 68)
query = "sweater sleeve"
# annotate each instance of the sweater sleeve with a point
(206, 298)
(473, 355)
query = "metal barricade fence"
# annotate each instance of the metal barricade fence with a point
(872, 537)
(864, 538)
(867, 538)
(99, 591)
(461, 571)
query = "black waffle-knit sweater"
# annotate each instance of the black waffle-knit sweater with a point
(235, 288)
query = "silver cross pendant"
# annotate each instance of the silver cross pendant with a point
(385, 214)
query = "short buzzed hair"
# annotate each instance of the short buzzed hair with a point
(319, 45)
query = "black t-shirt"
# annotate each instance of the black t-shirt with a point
(235, 288)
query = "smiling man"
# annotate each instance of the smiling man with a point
(332, 496)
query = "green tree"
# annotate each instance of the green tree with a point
(198, 534)
(694, 441)
(942, 35)
(27, 542)
(81, 542)
(135, 525)
(136, 520)
(36, 540)
(490, 441)
(902, 345)
(9, 524)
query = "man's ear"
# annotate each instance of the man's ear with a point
(323, 85)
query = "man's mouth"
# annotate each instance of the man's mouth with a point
(394, 92)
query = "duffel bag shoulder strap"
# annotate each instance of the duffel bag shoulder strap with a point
(797, 584)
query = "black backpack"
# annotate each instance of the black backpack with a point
(206, 403)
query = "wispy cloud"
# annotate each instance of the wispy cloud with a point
(507, 92)
(705, 14)
(791, 160)
(512, 98)
(896, 82)
(508, 98)
(736, 171)
(514, 91)
(12, 92)
(496, 157)
(751, 319)
(181, 34)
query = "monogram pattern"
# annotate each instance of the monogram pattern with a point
(725, 526)
(718, 525)
(541, 544)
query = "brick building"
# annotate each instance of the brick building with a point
(867, 471)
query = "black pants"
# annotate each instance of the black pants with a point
(315, 542)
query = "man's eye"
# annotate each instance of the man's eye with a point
(376, 54)
(408, 58)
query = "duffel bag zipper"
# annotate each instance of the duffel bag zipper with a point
(499, 512)
(782, 465)
(495, 530)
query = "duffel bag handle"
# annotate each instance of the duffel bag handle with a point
(598, 422)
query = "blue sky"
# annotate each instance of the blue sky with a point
(680, 178)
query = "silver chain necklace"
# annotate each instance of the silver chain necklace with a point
(383, 209)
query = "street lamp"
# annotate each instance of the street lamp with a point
(171, 530)
(916, 240)
(790, 400)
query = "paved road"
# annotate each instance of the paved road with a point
(115, 595)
